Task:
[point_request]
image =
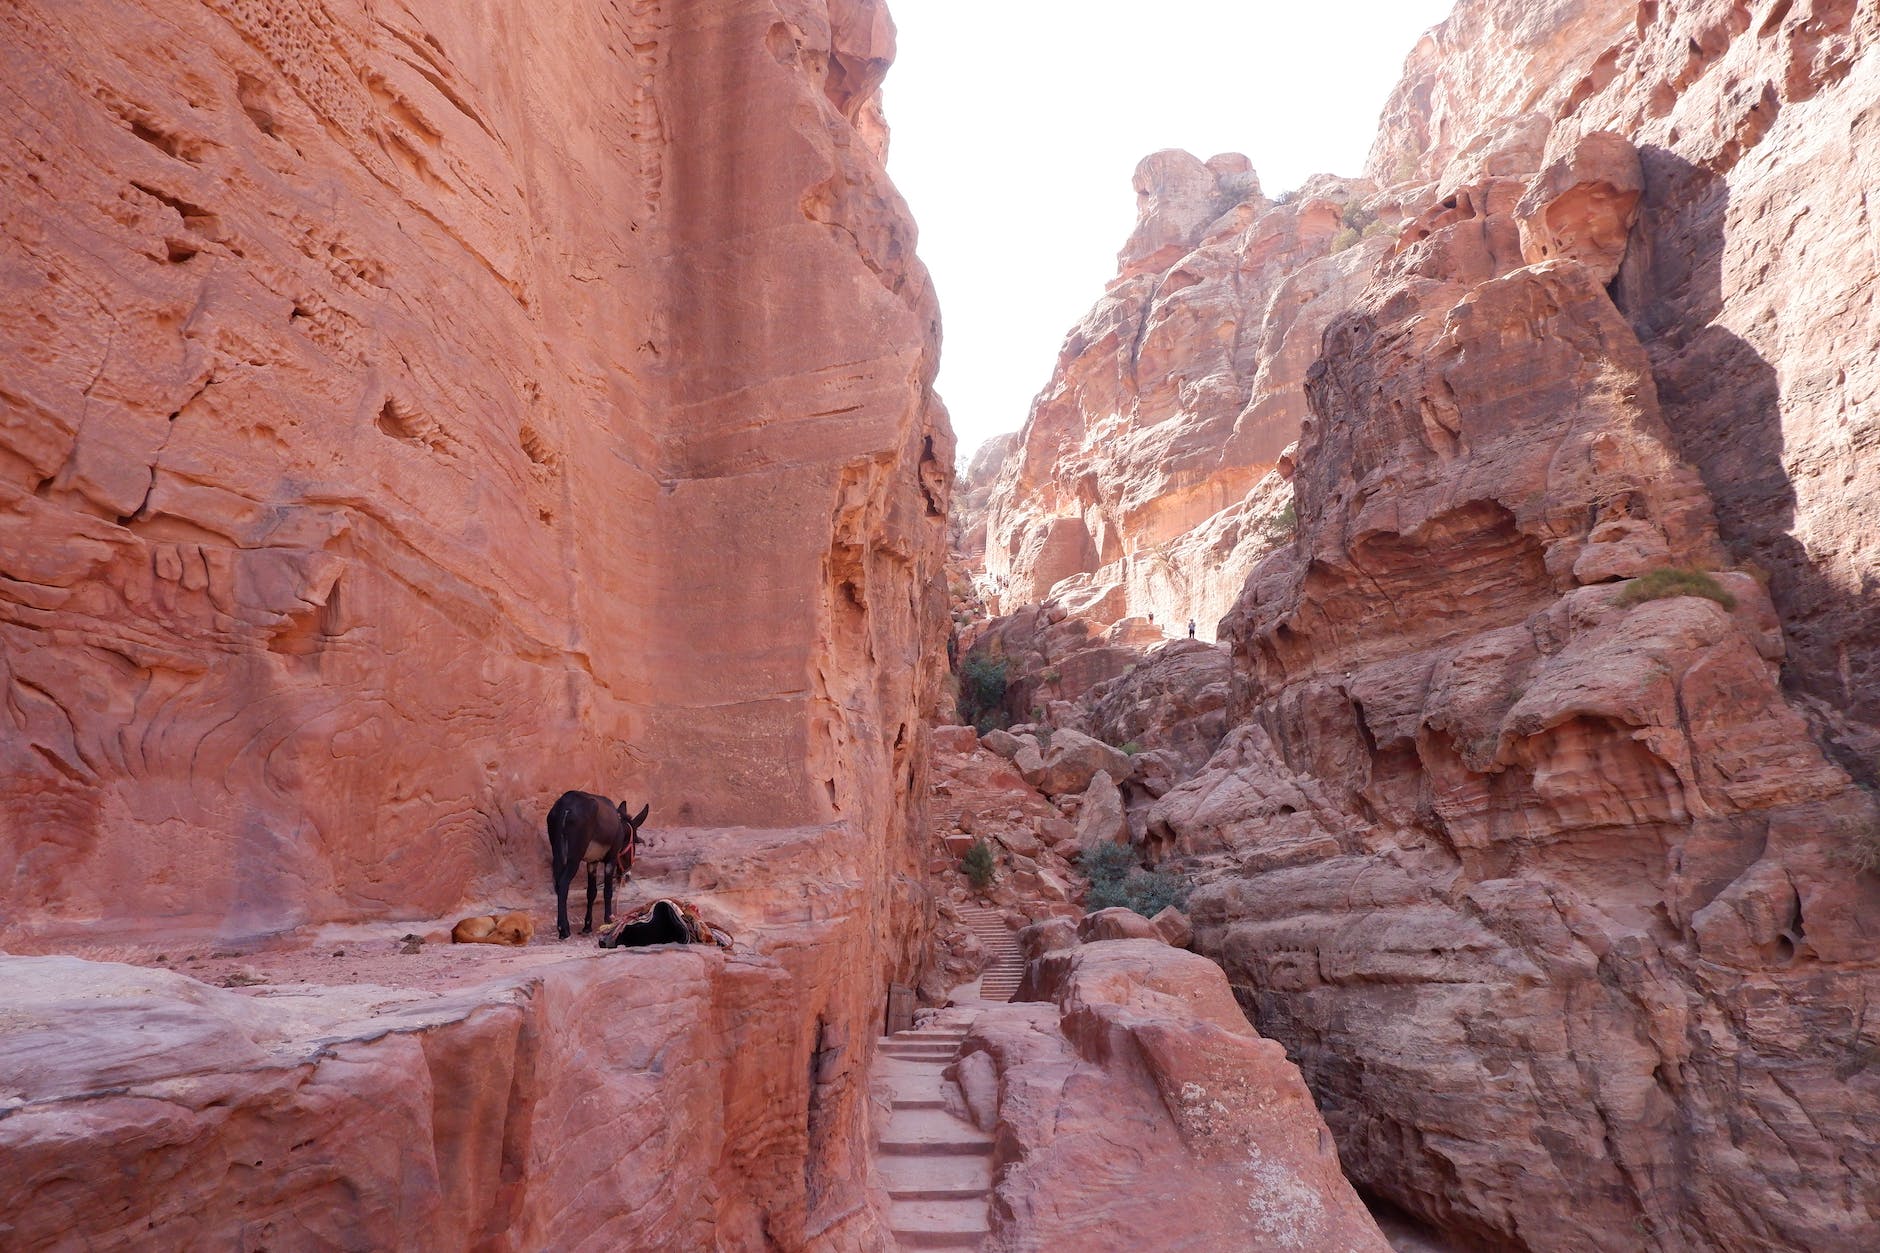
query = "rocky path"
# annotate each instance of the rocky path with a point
(1001, 976)
(936, 1167)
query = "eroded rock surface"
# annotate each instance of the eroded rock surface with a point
(1525, 857)
(1528, 825)
(380, 398)
(1136, 1109)
(407, 414)
(1143, 483)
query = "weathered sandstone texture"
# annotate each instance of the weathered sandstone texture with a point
(1143, 474)
(979, 794)
(1545, 883)
(408, 412)
(1135, 1109)
(360, 1093)
(1750, 281)
(1554, 889)
(385, 398)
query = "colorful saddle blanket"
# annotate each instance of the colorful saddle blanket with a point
(664, 921)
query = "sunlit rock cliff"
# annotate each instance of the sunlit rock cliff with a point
(408, 412)
(1539, 825)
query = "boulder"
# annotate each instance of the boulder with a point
(1067, 764)
(1047, 936)
(956, 739)
(1225, 1148)
(1117, 924)
(1100, 815)
(1173, 926)
(1004, 743)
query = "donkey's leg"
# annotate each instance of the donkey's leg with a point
(607, 881)
(587, 922)
(564, 879)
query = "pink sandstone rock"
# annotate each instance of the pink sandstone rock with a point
(383, 402)
(1100, 818)
(1143, 1046)
(1116, 924)
(1174, 928)
(1510, 848)
(1141, 481)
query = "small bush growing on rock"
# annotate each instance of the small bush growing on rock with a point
(1667, 581)
(1283, 523)
(1131, 747)
(1346, 238)
(1116, 879)
(1378, 228)
(979, 865)
(1867, 850)
(982, 691)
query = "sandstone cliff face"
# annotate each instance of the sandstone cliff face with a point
(1549, 881)
(1133, 1108)
(1751, 279)
(1140, 466)
(409, 412)
(378, 394)
(1547, 885)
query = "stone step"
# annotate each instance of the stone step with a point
(918, 1083)
(923, 1238)
(902, 1172)
(913, 1222)
(937, 1148)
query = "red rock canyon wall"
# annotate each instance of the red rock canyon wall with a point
(1142, 473)
(409, 411)
(385, 388)
(1554, 889)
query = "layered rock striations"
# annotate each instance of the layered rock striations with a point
(1143, 474)
(1536, 822)
(1750, 282)
(407, 414)
(1131, 1107)
(1517, 842)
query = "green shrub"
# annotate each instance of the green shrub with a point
(1378, 227)
(979, 865)
(1283, 523)
(1116, 879)
(1867, 849)
(1131, 747)
(982, 691)
(1346, 238)
(1667, 581)
(1357, 217)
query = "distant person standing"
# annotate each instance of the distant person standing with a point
(1191, 628)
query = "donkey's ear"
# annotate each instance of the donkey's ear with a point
(641, 816)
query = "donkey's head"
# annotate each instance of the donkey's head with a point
(634, 821)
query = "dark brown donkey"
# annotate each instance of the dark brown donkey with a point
(590, 830)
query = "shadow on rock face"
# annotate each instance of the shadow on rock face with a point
(1723, 403)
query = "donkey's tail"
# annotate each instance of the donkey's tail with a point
(560, 816)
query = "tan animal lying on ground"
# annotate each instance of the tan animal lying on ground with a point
(517, 929)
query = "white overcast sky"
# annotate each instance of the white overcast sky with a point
(1017, 123)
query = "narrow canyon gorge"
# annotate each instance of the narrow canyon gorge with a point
(1383, 758)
